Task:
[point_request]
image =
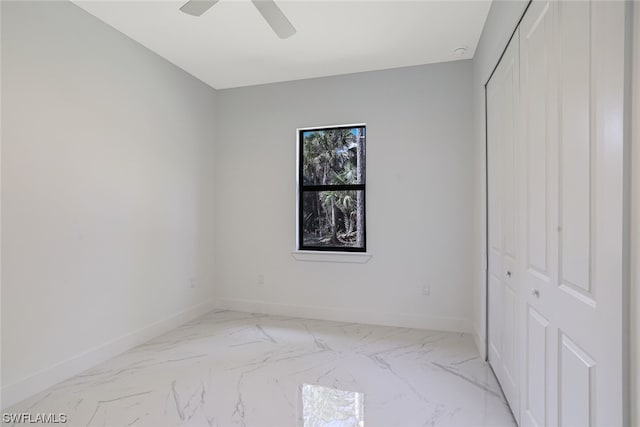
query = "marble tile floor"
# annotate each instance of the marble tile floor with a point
(238, 369)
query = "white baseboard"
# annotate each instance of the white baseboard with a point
(449, 324)
(22, 389)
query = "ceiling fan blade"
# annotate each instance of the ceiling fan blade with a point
(275, 18)
(197, 7)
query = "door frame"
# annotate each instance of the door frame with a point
(634, 350)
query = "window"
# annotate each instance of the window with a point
(331, 188)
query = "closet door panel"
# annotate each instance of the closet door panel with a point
(494, 234)
(502, 106)
(575, 145)
(539, 211)
(537, 109)
(534, 408)
(572, 63)
(588, 299)
(576, 385)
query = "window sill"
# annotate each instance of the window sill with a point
(327, 256)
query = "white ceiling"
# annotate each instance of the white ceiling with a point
(231, 45)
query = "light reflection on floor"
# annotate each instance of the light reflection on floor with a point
(330, 407)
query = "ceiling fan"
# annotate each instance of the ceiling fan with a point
(267, 8)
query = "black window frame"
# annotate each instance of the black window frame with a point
(302, 188)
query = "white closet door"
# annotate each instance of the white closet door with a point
(572, 100)
(502, 129)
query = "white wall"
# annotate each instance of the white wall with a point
(502, 20)
(635, 225)
(419, 198)
(106, 194)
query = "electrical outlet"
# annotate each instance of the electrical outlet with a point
(193, 283)
(426, 290)
(260, 279)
